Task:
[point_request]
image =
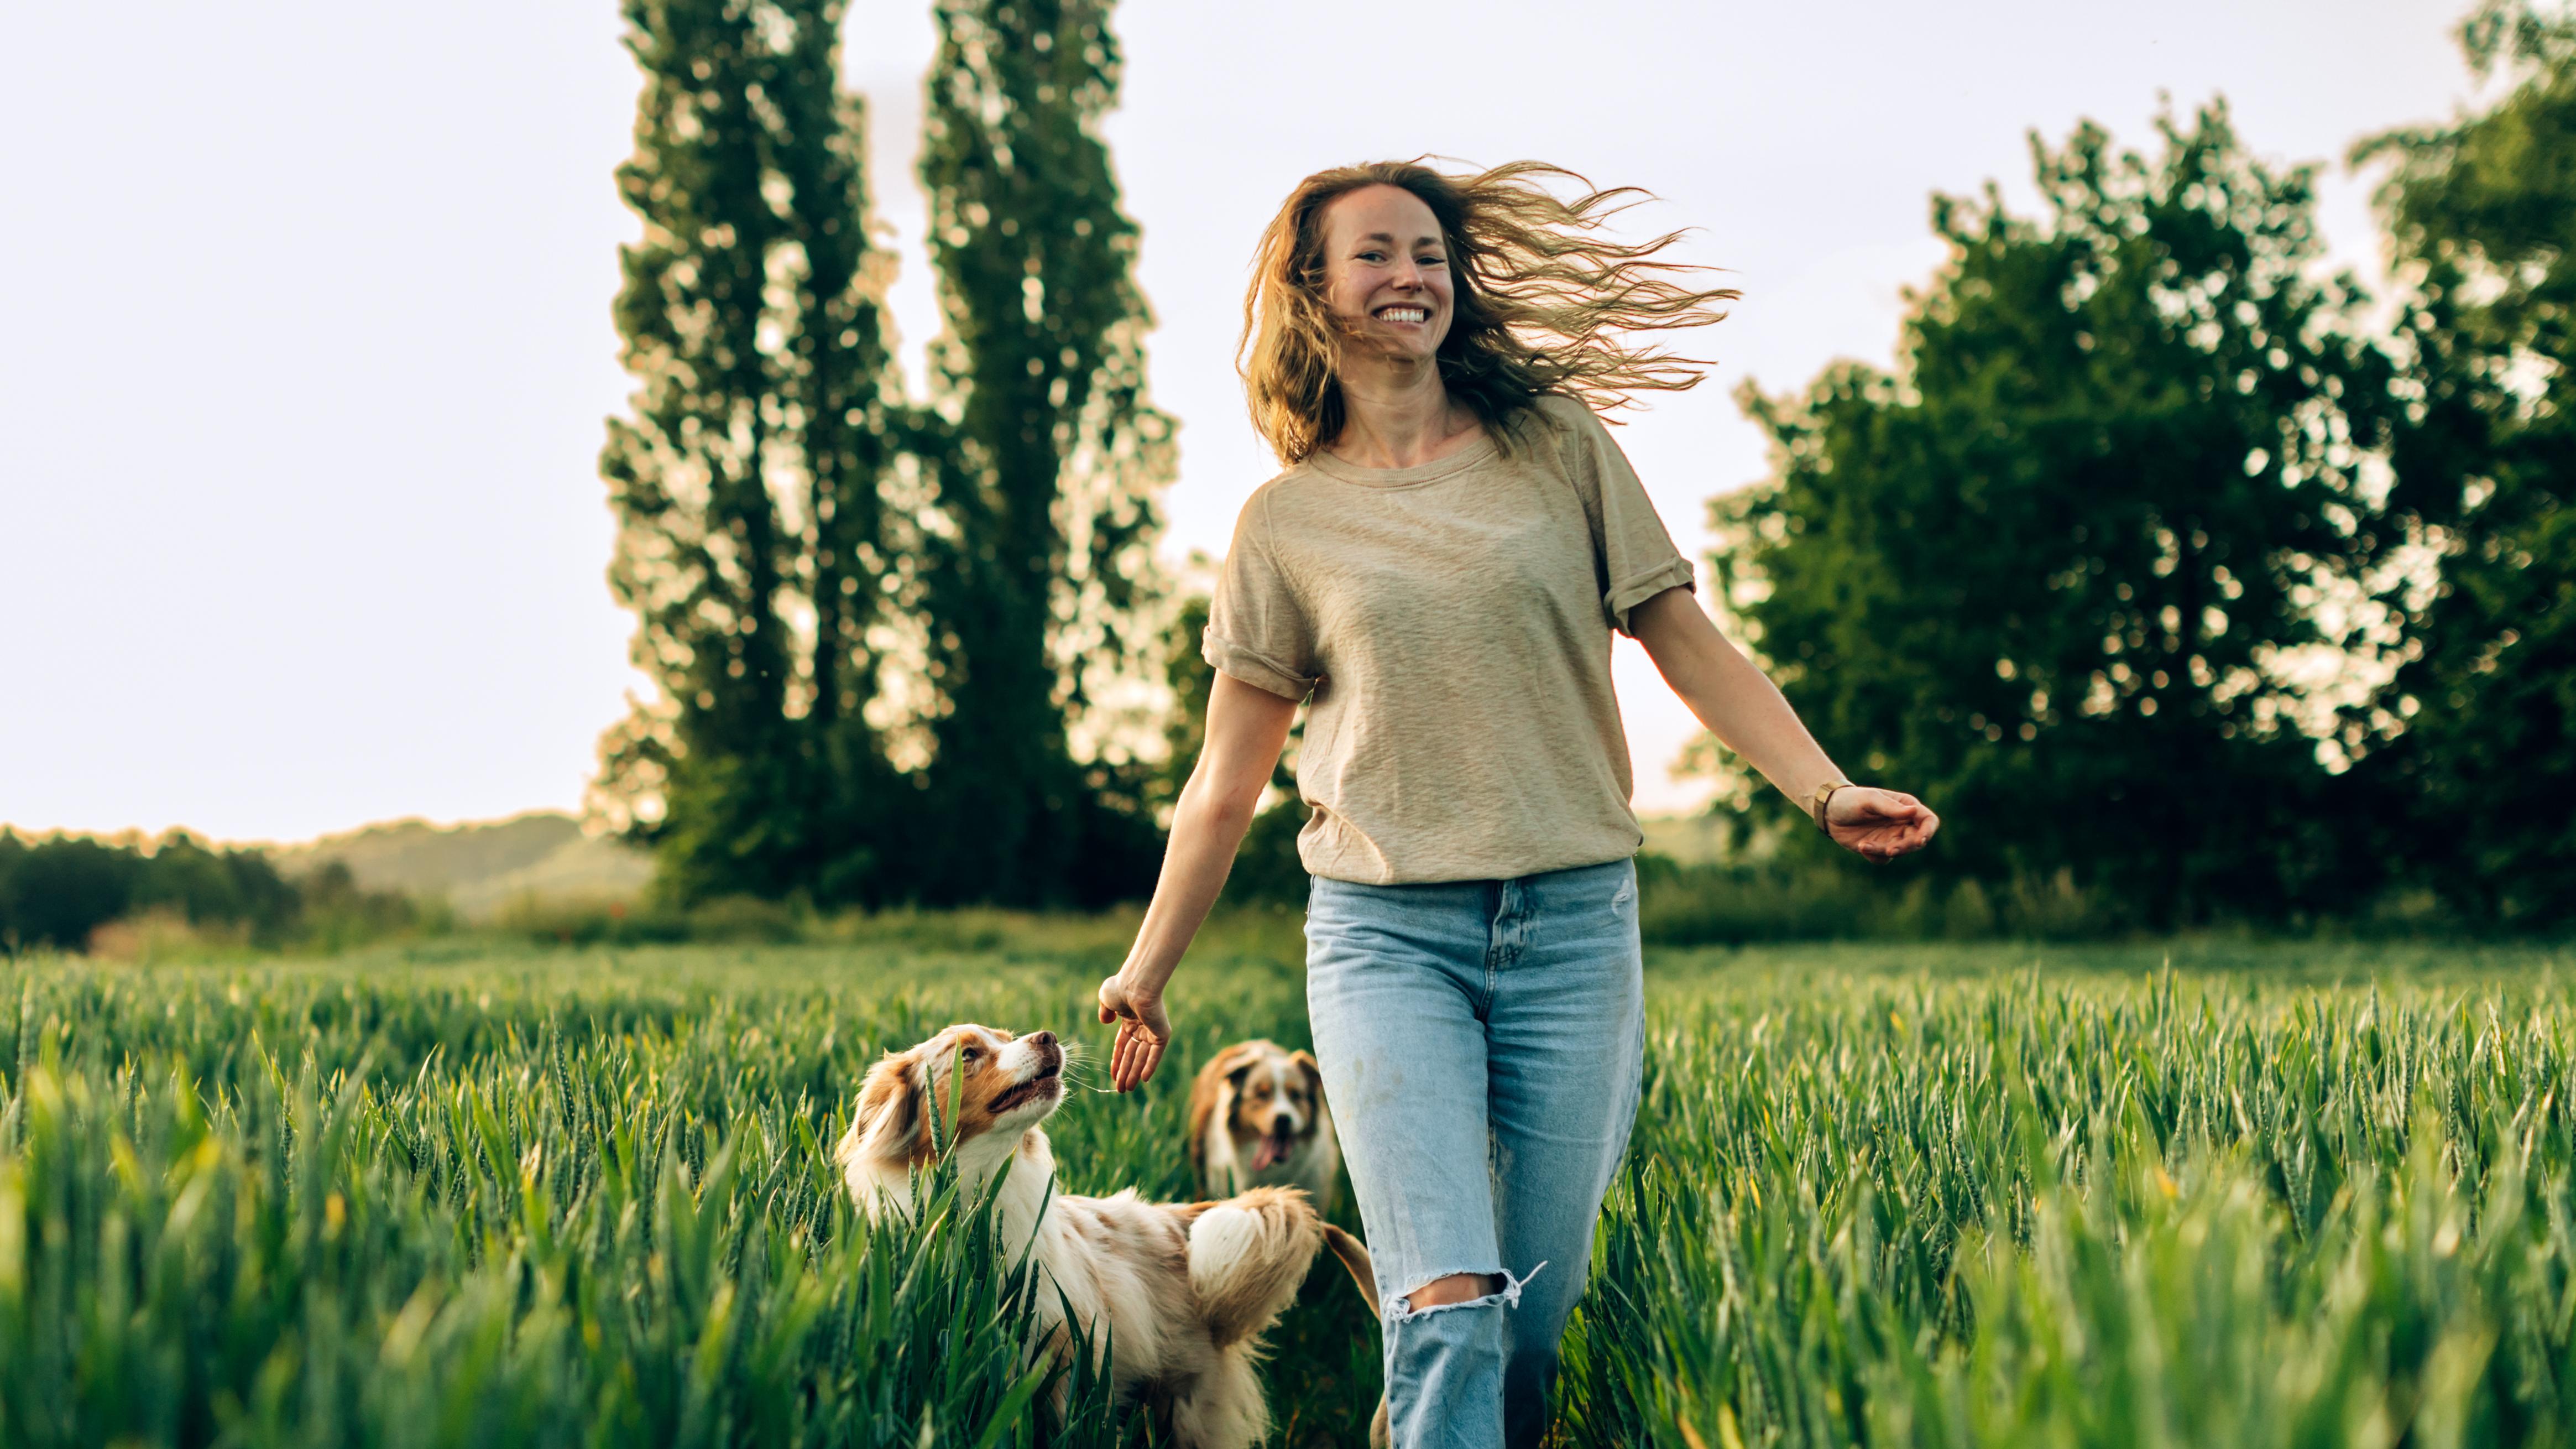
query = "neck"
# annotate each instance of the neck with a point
(885, 1189)
(1024, 1193)
(1396, 413)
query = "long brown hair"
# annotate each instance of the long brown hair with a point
(1543, 303)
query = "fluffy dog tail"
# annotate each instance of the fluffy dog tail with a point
(1247, 1256)
(1363, 1270)
(1356, 1261)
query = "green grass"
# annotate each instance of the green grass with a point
(2213, 1193)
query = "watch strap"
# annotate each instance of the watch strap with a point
(1823, 796)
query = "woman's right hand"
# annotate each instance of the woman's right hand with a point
(1143, 1031)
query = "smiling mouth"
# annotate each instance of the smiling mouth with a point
(1275, 1147)
(1414, 315)
(1049, 1078)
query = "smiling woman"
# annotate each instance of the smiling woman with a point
(1515, 291)
(1438, 573)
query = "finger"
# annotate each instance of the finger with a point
(1106, 1015)
(1129, 1049)
(1153, 1055)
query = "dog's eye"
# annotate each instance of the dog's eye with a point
(974, 1054)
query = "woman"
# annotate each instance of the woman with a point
(1439, 570)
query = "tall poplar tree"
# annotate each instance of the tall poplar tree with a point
(752, 542)
(1038, 580)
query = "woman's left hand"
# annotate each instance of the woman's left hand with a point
(1879, 824)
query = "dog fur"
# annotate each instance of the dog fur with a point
(1258, 1119)
(1182, 1290)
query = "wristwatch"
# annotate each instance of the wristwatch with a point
(1824, 794)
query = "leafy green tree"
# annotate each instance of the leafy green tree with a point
(215, 886)
(753, 538)
(2484, 216)
(1037, 584)
(2047, 575)
(60, 890)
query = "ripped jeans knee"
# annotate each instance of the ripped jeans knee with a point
(1445, 1366)
(1400, 1308)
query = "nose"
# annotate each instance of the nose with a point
(1043, 1039)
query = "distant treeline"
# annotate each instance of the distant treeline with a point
(60, 891)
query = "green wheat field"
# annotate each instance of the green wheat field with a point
(466, 1194)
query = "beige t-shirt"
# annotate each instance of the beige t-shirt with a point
(1452, 625)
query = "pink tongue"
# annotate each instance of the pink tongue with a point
(1266, 1154)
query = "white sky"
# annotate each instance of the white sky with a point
(308, 341)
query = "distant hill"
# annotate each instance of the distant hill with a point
(479, 868)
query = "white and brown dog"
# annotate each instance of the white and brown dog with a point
(1178, 1293)
(1258, 1119)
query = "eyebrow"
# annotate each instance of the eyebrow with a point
(1389, 238)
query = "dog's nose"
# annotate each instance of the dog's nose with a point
(1043, 1039)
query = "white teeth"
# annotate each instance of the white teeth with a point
(1403, 314)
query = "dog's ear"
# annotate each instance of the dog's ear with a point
(1314, 1074)
(1238, 1059)
(1212, 1094)
(889, 1120)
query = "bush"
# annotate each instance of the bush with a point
(1725, 904)
(79, 893)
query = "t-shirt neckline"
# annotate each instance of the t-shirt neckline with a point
(1438, 468)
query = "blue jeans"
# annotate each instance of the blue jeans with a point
(1483, 1047)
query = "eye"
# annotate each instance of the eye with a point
(974, 1054)
(1372, 255)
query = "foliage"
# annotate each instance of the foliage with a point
(898, 652)
(61, 890)
(2050, 573)
(2484, 215)
(753, 541)
(1037, 582)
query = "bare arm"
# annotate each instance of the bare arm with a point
(1246, 728)
(1745, 710)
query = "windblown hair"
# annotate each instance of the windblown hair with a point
(1543, 302)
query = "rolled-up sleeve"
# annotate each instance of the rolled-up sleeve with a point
(1258, 629)
(1637, 557)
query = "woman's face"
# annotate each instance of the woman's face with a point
(1386, 269)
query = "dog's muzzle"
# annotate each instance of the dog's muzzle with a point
(1048, 1080)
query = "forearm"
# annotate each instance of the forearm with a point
(1736, 701)
(1206, 832)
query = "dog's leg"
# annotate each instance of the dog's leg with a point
(1223, 1408)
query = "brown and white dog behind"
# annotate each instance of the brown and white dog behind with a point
(1258, 1119)
(1177, 1293)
